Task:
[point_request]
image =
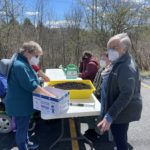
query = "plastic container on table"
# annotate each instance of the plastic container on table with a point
(71, 71)
(76, 94)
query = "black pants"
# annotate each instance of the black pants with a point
(119, 132)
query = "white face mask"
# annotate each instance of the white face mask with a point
(34, 60)
(102, 63)
(113, 54)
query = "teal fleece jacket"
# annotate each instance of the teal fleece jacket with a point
(22, 82)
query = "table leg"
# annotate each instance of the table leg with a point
(61, 135)
(78, 123)
(80, 137)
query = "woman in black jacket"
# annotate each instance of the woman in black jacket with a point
(123, 103)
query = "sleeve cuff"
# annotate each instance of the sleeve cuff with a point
(34, 86)
(108, 118)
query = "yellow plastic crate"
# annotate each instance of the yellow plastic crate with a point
(76, 94)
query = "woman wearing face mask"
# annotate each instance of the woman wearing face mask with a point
(41, 74)
(104, 78)
(121, 95)
(22, 82)
(104, 62)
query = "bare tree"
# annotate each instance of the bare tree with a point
(9, 27)
(116, 16)
(86, 27)
(74, 20)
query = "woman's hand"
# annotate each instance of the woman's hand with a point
(104, 125)
(41, 90)
(46, 78)
(50, 95)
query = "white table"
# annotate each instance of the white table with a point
(78, 111)
(74, 111)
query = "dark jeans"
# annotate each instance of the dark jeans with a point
(119, 132)
(22, 124)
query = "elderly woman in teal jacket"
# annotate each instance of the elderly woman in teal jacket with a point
(22, 82)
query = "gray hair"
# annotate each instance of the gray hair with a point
(124, 39)
(32, 47)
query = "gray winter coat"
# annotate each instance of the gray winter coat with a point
(124, 102)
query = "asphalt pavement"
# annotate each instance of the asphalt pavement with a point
(139, 132)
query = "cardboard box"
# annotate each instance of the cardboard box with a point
(49, 105)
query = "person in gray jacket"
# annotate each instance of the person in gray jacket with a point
(122, 102)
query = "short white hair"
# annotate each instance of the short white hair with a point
(32, 47)
(124, 39)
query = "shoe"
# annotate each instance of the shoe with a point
(32, 145)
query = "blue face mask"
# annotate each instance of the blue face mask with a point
(112, 54)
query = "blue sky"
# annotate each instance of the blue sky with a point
(57, 7)
(54, 11)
